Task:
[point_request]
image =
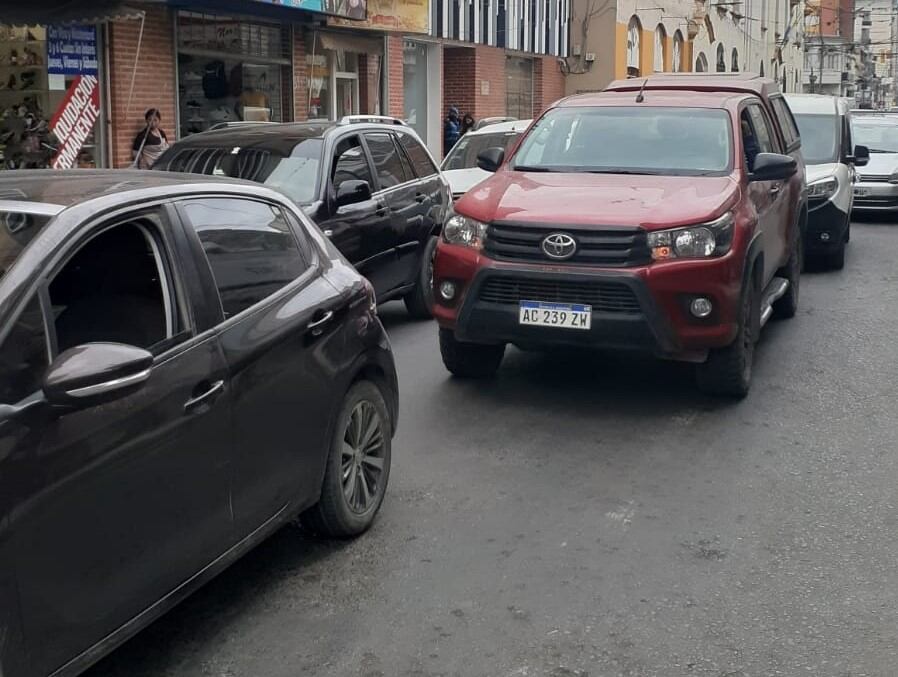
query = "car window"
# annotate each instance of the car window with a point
(385, 156)
(249, 246)
(791, 129)
(819, 137)
(420, 158)
(17, 229)
(23, 356)
(464, 153)
(350, 163)
(878, 137)
(847, 143)
(407, 168)
(118, 286)
(763, 133)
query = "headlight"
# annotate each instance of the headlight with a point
(701, 241)
(894, 177)
(463, 231)
(823, 189)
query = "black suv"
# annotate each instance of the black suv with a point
(367, 181)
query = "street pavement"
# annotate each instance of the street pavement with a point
(594, 515)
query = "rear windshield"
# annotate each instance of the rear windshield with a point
(629, 140)
(464, 154)
(819, 136)
(295, 175)
(17, 229)
(878, 137)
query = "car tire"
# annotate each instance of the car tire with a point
(727, 371)
(419, 301)
(835, 260)
(470, 360)
(357, 468)
(787, 305)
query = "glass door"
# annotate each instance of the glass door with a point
(414, 78)
(347, 91)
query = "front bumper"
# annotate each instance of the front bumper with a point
(875, 196)
(647, 310)
(827, 225)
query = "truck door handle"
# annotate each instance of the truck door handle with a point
(204, 398)
(316, 327)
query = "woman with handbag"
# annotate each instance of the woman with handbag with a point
(150, 142)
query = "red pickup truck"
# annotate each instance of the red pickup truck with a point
(664, 215)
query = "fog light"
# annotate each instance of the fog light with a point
(701, 307)
(824, 237)
(447, 290)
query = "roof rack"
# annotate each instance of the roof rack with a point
(238, 123)
(357, 119)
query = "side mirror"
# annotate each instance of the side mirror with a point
(352, 192)
(773, 167)
(491, 159)
(95, 373)
(860, 157)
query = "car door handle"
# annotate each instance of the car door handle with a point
(328, 232)
(207, 397)
(420, 197)
(381, 210)
(775, 189)
(316, 327)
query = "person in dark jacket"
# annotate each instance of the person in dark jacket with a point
(451, 130)
(467, 123)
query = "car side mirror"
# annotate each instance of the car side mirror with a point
(95, 373)
(491, 159)
(352, 192)
(860, 157)
(773, 167)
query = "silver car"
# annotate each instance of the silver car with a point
(876, 188)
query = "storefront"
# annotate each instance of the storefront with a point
(344, 72)
(52, 96)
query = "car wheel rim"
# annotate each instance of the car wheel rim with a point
(362, 458)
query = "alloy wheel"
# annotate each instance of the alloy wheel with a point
(362, 458)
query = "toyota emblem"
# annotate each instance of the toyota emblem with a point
(559, 246)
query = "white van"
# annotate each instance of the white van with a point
(825, 128)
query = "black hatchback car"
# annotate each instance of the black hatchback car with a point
(368, 182)
(184, 367)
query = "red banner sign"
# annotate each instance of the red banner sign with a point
(75, 119)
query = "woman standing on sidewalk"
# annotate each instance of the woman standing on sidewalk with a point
(150, 142)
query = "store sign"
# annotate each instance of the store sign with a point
(72, 50)
(408, 16)
(351, 9)
(75, 119)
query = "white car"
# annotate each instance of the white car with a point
(877, 186)
(830, 157)
(460, 165)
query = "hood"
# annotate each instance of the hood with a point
(462, 180)
(815, 172)
(608, 199)
(881, 164)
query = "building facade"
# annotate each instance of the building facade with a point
(830, 64)
(624, 38)
(876, 32)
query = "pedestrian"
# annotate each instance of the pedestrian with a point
(467, 123)
(451, 130)
(150, 142)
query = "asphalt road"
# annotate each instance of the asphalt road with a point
(596, 516)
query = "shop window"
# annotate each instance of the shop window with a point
(231, 70)
(414, 79)
(519, 87)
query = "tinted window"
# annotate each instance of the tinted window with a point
(619, 139)
(419, 156)
(351, 163)
(791, 130)
(295, 175)
(762, 130)
(250, 248)
(819, 136)
(385, 156)
(23, 357)
(464, 154)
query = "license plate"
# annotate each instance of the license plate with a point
(861, 192)
(561, 315)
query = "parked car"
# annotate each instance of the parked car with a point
(831, 157)
(877, 185)
(367, 181)
(460, 165)
(185, 366)
(662, 218)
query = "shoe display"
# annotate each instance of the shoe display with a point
(192, 76)
(221, 114)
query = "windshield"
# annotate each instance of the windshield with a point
(296, 175)
(878, 137)
(629, 140)
(819, 134)
(464, 154)
(17, 229)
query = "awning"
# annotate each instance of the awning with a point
(38, 12)
(349, 42)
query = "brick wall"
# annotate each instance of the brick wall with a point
(458, 79)
(395, 76)
(548, 83)
(154, 85)
(300, 76)
(489, 98)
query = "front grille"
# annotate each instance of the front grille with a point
(608, 297)
(613, 247)
(874, 178)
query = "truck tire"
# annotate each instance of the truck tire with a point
(469, 360)
(727, 371)
(419, 301)
(787, 305)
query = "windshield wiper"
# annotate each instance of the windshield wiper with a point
(880, 150)
(633, 172)
(532, 168)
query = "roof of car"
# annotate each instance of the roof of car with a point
(657, 97)
(883, 120)
(502, 127)
(710, 82)
(816, 104)
(60, 189)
